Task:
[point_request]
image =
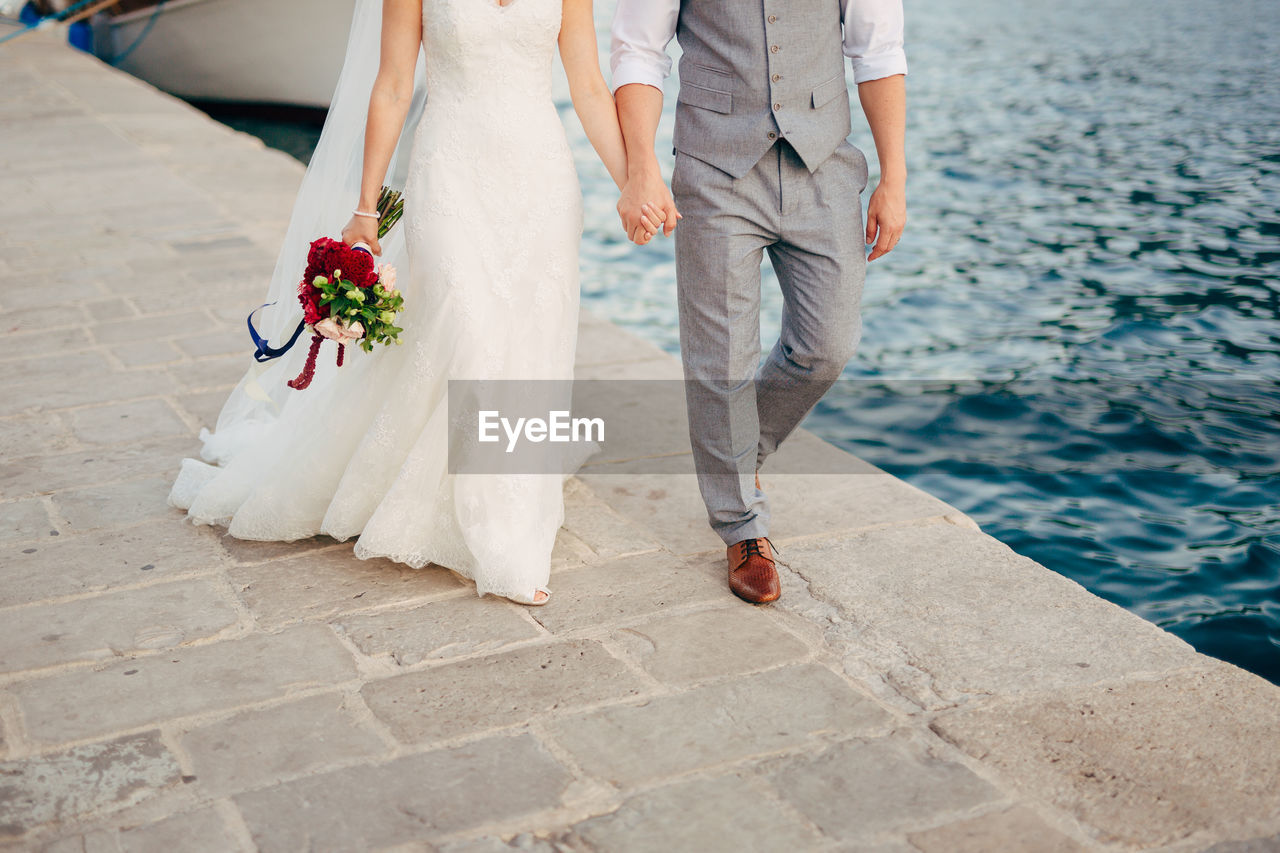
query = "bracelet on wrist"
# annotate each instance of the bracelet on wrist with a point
(359, 212)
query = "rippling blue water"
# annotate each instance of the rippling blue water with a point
(1094, 248)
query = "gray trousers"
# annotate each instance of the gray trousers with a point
(740, 409)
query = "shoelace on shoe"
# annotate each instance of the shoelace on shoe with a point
(753, 547)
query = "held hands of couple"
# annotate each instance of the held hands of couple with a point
(646, 207)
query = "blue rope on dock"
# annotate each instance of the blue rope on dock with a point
(68, 12)
(47, 19)
(146, 31)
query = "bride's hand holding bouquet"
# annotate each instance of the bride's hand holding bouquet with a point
(363, 229)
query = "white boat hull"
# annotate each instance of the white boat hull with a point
(241, 51)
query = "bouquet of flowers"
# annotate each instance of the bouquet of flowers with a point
(345, 296)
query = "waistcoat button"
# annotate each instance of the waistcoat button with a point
(777, 107)
(773, 19)
(775, 78)
(773, 135)
(774, 49)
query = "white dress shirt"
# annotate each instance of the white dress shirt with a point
(642, 29)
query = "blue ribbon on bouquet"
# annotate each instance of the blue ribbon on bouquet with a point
(263, 351)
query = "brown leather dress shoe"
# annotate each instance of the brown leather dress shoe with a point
(752, 574)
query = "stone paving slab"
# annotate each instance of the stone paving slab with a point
(688, 648)
(55, 786)
(32, 396)
(1015, 830)
(422, 794)
(202, 830)
(1013, 626)
(731, 812)
(106, 626)
(453, 627)
(286, 739)
(81, 703)
(113, 504)
(44, 474)
(606, 532)
(51, 567)
(627, 589)
(1255, 845)
(166, 687)
(327, 583)
(729, 721)
(498, 690)
(1144, 762)
(24, 520)
(835, 791)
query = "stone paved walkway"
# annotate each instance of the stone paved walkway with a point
(166, 688)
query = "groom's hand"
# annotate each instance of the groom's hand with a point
(646, 206)
(886, 217)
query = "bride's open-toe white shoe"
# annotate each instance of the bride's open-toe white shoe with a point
(535, 601)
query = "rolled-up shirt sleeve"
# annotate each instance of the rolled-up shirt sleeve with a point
(641, 31)
(873, 38)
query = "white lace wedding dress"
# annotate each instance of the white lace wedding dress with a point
(493, 219)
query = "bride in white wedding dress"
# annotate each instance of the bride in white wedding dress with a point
(492, 225)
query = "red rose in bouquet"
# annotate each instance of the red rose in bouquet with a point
(326, 259)
(327, 255)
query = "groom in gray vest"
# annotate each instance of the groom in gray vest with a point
(762, 164)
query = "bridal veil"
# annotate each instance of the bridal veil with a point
(329, 190)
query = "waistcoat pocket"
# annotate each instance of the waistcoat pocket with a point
(824, 92)
(701, 96)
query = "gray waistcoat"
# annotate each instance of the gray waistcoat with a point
(756, 70)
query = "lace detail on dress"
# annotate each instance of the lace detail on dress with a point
(493, 220)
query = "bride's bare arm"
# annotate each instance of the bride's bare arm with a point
(388, 107)
(592, 100)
